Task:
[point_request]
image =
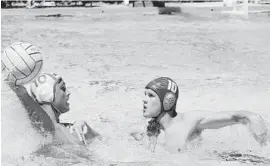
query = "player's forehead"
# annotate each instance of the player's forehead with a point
(150, 91)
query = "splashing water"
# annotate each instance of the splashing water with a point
(220, 63)
(18, 136)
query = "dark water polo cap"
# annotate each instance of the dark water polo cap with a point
(167, 90)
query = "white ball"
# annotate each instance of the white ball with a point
(23, 61)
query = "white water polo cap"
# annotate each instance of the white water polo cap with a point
(43, 88)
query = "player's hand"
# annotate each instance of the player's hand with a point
(258, 129)
(80, 128)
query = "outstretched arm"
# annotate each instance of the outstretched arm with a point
(216, 120)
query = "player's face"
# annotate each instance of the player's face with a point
(61, 97)
(151, 104)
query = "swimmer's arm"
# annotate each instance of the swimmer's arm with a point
(137, 132)
(216, 120)
(81, 127)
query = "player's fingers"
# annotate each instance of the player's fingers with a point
(85, 130)
(78, 132)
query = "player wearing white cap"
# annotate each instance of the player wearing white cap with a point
(50, 91)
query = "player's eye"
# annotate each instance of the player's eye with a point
(63, 87)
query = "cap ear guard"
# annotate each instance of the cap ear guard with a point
(169, 101)
(43, 88)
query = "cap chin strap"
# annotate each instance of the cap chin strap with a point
(154, 125)
(57, 113)
(159, 117)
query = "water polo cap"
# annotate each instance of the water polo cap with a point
(43, 88)
(167, 90)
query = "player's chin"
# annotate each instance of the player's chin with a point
(146, 115)
(67, 108)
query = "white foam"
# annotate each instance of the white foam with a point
(18, 136)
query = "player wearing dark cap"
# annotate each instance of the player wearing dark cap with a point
(159, 104)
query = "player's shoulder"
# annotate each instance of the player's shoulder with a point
(187, 119)
(195, 115)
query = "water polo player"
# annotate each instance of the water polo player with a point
(50, 91)
(159, 104)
